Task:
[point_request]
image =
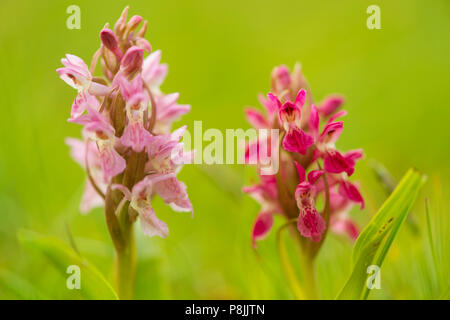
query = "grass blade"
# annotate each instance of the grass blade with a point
(61, 255)
(20, 287)
(375, 240)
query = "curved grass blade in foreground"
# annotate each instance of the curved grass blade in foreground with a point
(20, 287)
(375, 240)
(93, 283)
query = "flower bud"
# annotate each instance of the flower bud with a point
(141, 32)
(111, 42)
(281, 79)
(330, 104)
(132, 61)
(133, 23)
(144, 44)
(120, 24)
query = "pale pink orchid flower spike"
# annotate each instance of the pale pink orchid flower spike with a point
(128, 149)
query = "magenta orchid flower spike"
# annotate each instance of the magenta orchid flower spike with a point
(311, 166)
(128, 151)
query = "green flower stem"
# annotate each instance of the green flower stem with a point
(288, 269)
(125, 261)
(121, 229)
(309, 277)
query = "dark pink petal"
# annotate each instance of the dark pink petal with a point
(262, 226)
(334, 162)
(256, 118)
(314, 122)
(258, 151)
(353, 155)
(314, 175)
(281, 78)
(331, 132)
(270, 106)
(337, 115)
(330, 104)
(289, 114)
(301, 98)
(274, 100)
(310, 223)
(296, 140)
(266, 192)
(303, 190)
(301, 172)
(351, 192)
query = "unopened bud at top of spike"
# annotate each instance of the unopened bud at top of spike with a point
(133, 23)
(143, 30)
(120, 24)
(132, 60)
(111, 42)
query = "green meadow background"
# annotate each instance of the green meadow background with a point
(220, 55)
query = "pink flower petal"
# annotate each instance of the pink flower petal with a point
(349, 190)
(150, 224)
(262, 226)
(296, 140)
(132, 60)
(334, 162)
(301, 172)
(154, 73)
(313, 122)
(314, 175)
(331, 132)
(330, 104)
(112, 163)
(270, 106)
(345, 226)
(301, 98)
(256, 118)
(91, 199)
(310, 223)
(82, 102)
(173, 192)
(135, 136)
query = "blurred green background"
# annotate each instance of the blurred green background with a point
(220, 55)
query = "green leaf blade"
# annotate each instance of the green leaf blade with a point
(61, 256)
(20, 287)
(376, 239)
